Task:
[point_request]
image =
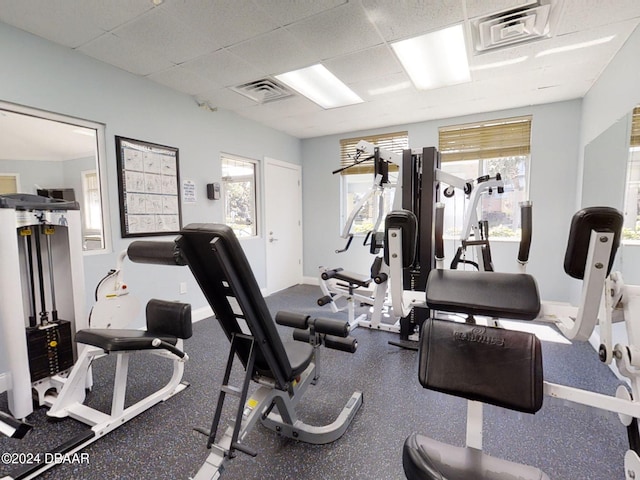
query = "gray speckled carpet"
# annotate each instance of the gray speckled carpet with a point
(567, 442)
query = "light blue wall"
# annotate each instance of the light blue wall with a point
(39, 74)
(605, 116)
(554, 160)
(34, 172)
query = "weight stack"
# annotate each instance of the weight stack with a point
(50, 349)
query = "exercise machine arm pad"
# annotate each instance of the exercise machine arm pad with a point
(156, 253)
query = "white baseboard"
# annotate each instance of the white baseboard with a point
(201, 313)
(310, 280)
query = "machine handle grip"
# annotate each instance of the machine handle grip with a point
(439, 231)
(292, 319)
(346, 247)
(156, 253)
(525, 239)
(156, 342)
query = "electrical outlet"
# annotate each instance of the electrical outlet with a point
(183, 288)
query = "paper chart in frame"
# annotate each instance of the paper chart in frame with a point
(148, 184)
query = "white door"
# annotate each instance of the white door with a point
(283, 222)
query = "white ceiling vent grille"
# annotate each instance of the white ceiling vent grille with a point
(526, 23)
(263, 90)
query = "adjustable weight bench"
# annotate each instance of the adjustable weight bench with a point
(282, 370)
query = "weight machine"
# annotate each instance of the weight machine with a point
(41, 243)
(417, 190)
(41, 294)
(461, 358)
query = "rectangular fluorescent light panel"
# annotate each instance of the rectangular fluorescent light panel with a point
(436, 59)
(320, 86)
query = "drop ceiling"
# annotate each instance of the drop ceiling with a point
(208, 48)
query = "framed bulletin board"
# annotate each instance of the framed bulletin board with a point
(148, 186)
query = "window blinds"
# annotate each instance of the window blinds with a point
(394, 142)
(635, 128)
(491, 139)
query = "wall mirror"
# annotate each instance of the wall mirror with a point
(49, 154)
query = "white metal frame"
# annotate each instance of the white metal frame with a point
(12, 313)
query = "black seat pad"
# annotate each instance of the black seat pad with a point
(300, 355)
(113, 340)
(353, 278)
(424, 458)
(491, 294)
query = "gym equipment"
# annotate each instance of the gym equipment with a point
(593, 241)
(417, 190)
(282, 371)
(167, 325)
(336, 283)
(28, 284)
(13, 428)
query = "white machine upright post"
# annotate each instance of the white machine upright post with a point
(12, 318)
(66, 251)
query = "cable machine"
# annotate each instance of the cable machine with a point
(41, 294)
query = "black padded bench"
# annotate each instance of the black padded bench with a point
(491, 294)
(351, 278)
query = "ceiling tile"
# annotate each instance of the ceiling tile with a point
(123, 54)
(275, 52)
(183, 80)
(224, 68)
(226, 21)
(69, 23)
(578, 15)
(373, 62)
(285, 12)
(225, 98)
(396, 19)
(336, 32)
(157, 30)
(377, 87)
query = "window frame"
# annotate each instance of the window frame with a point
(255, 208)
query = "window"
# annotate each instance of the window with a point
(239, 193)
(473, 150)
(358, 180)
(92, 210)
(631, 228)
(8, 183)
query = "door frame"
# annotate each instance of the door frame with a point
(268, 161)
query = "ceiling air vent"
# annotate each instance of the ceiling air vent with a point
(263, 90)
(526, 23)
